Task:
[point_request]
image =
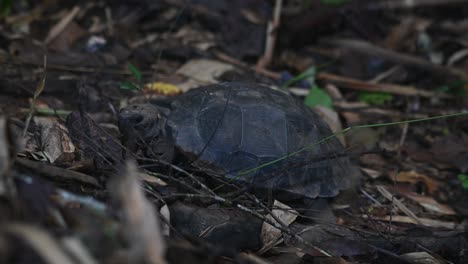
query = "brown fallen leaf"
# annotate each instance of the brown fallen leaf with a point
(57, 144)
(430, 204)
(415, 177)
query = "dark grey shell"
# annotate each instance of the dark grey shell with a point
(235, 127)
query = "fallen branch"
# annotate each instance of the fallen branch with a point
(56, 172)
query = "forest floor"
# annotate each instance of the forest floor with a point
(68, 67)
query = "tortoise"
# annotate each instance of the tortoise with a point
(246, 132)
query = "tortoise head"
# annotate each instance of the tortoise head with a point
(142, 123)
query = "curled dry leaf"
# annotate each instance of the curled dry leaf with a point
(57, 145)
(271, 234)
(202, 71)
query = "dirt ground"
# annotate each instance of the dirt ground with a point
(389, 77)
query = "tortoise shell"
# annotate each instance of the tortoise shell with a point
(250, 133)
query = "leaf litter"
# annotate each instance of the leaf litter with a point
(371, 62)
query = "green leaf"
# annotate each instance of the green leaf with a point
(375, 98)
(318, 96)
(129, 86)
(464, 180)
(5, 7)
(135, 72)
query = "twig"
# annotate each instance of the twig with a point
(39, 89)
(272, 32)
(254, 213)
(402, 139)
(385, 193)
(344, 82)
(370, 49)
(56, 172)
(61, 25)
(351, 83)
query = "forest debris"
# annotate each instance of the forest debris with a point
(430, 204)
(161, 88)
(410, 220)
(271, 234)
(39, 89)
(254, 259)
(4, 153)
(453, 150)
(78, 250)
(57, 172)
(56, 143)
(385, 193)
(166, 214)
(48, 248)
(202, 71)
(365, 138)
(65, 197)
(141, 225)
(332, 119)
(94, 142)
(271, 33)
(398, 58)
(61, 25)
(151, 179)
(70, 34)
(374, 174)
(392, 4)
(351, 83)
(214, 225)
(421, 258)
(415, 177)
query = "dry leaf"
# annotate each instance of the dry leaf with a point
(271, 234)
(414, 177)
(430, 204)
(57, 144)
(202, 71)
(374, 174)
